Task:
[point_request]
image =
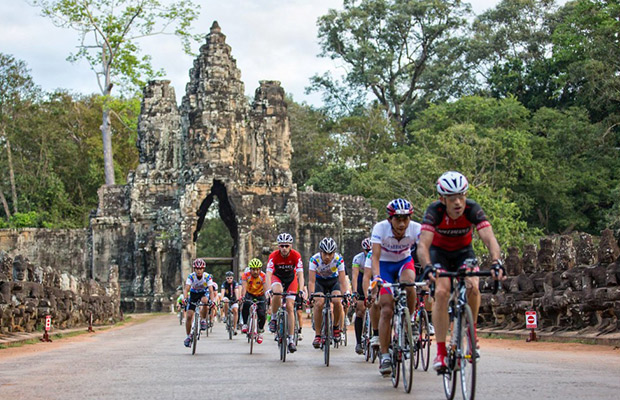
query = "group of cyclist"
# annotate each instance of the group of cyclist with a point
(397, 246)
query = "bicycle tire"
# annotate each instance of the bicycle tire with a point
(417, 347)
(406, 347)
(344, 331)
(425, 340)
(196, 331)
(328, 329)
(395, 351)
(366, 335)
(251, 333)
(229, 323)
(296, 329)
(449, 376)
(468, 351)
(284, 332)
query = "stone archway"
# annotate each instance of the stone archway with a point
(215, 144)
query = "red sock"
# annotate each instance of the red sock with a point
(441, 349)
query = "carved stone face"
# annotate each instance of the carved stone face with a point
(19, 269)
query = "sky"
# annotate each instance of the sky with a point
(270, 39)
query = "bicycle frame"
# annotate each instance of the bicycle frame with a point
(327, 328)
(282, 324)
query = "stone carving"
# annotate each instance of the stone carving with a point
(608, 250)
(26, 298)
(567, 295)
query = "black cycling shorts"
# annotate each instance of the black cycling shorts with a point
(326, 285)
(195, 297)
(451, 260)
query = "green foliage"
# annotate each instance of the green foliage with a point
(214, 239)
(387, 47)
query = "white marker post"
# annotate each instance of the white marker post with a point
(531, 323)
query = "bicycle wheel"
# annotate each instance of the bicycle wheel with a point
(344, 331)
(450, 376)
(284, 332)
(195, 331)
(406, 346)
(252, 331)
(395, 351)
(366, 335)
(424, 340)
(296, 331)
(468, 355)
(327, 332)
(229, 324)
(417, 343)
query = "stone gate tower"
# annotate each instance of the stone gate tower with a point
(214, 144)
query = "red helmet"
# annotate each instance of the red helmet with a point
(199, 263)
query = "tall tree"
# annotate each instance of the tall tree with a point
(109, 32)
(17, 92)
(390, 48)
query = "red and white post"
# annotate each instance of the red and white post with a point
(531, 323)
(48, 327)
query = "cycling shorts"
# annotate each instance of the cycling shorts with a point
(451, 260)
(289, 286)
(326, 285)
(195, 297)
(390, 271)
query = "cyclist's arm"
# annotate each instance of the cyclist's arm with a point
(376, 256)
(268, 280)
(185, 291)
(238, 292)
(366, 280)
(244, 288)
(488, 238)
(424, 244)
(311, 281)
(222, 291)
(355, 271)
(344, 285)
(300, 275)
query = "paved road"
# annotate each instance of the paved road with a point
(148, 361)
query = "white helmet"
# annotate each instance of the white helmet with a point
(328, 245)
(285, 238)
(452, 182)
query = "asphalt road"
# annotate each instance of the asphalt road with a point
(148, 361)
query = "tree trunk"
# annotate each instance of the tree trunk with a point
(5, 205)
(11, 174)
(106, 134)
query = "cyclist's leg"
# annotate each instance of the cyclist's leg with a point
(360, 309)
(225, 302)
(276, 287)
(203, 310)
(245, 309)
(291, 287)
(260, 311)
(235, 310)
(389, 273)
(407, 275)
(337, 305)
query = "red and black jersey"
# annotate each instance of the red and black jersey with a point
(453, 234)
(285, 268)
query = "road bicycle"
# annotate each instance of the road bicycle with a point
(402, 343)
(195, 330)
(230, 319)
(282, 325)
(252, 322)
(462, 352)
(422, 347)
(327, 326)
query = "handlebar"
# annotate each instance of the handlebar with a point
(465, 272)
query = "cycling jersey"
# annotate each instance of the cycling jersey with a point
(393, 249)
(359, 262)
(326, 271)
(285, 268)
(180, 299)
(199, 285)
(255, 285)
(453, 234)
(229, 290)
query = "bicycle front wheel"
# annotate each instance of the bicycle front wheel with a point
(406, 346)
(468, 355)
(283, 329)
(327, 332)
(195, 331)
(424, 340)
(366, 332)
(395, 351)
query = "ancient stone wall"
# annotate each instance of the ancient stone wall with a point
(571, 282)
(29, 292)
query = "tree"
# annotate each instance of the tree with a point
(17, 93)
(389, 47)
(109, 33)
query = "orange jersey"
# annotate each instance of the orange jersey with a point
(255, 285)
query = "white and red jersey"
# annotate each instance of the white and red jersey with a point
(285, 268)
(392, 249)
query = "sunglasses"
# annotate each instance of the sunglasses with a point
(284, 246)
(199, 267)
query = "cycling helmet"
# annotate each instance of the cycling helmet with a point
(285, 238)
(255, 264)
(366, 245)
(452, 182)
(328, 245)
(199, 263)
(229, 274)
(399, 207)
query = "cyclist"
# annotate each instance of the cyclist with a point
(253, 287)
(445, 243)
(198, 283)
(230, 294)
(285, 273)
(358, 267)
(391, 261)
(326, 274)
(217, 301)
(180, 303)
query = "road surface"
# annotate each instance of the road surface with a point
(148, 361)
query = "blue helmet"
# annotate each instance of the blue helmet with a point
(399, 207)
